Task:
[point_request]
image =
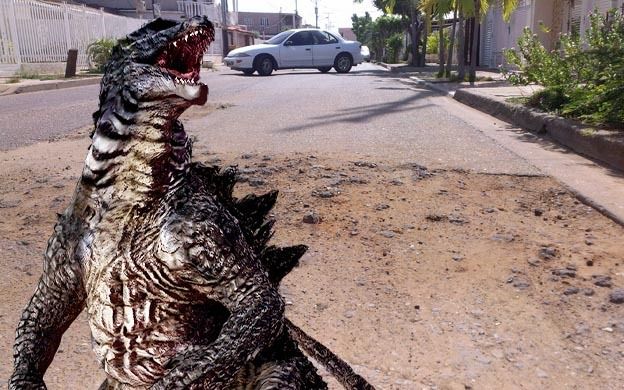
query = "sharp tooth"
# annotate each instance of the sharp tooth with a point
(186, 38)
(175, 44)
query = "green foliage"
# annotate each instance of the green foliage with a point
(582, 79)
(99, 52)
(394, 44)
(433, 41)
(363, 27)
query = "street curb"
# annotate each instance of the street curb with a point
(46, 86)
(601, 145)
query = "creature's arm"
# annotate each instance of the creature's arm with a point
(256, 313)
(58, 299)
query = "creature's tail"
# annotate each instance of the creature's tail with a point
(335, 365)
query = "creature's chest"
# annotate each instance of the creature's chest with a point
(143, 302)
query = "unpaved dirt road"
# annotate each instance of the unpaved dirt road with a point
(440, 260)
(420, 278)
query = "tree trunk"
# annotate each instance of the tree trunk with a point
(449, 60)
(423, 56)
(461, 60)
(415, 38)
(441, 49)
(472, 76)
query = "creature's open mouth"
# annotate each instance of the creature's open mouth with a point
(182, 58)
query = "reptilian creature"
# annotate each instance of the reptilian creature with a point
(180, 287)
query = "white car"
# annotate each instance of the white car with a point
(301, 48)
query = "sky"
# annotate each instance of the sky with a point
(332, 13)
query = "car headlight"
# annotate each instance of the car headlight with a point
(238, 55)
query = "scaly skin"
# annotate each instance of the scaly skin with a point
(180, 287)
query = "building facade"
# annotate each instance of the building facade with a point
(267, 24)
(546, 18)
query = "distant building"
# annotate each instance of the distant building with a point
(268, 23)
(347, 33)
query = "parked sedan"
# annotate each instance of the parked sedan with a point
(301, 48)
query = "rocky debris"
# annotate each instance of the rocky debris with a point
(327, 192)
(436, 217)
(256, 181)
(489, 210)
(564, 272)
(247, 171)
(538, 212)
(247, 156)
(457, 219)
(602, 280)
(503, 237)
(617, 296)
(312, 218)
(534, 261)
(382, 206)
(458, 257)
(571, 291)
(548, 253)
(588, 292)
(420, 172)
(357, 180)
(387, 233)
(5, 204)
(396, 182)
(518, 282)
(365, 164)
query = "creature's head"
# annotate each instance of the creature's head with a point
(159, 63)
(152, 77)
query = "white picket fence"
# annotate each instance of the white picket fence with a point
(35, 31)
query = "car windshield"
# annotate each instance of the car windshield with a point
(279, 38)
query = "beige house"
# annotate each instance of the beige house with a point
(558, 16)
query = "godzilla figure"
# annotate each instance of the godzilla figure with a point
(179, 283)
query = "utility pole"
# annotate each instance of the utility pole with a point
(156, 8)
(296, 14)
(316, 12)
(280, 22)
(224, 26)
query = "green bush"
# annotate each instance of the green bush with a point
(394, 45)
(582, 78)
(99, 52)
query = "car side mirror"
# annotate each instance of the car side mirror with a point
(288, 43)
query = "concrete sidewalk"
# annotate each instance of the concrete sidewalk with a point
(495, 97)
(31, 85)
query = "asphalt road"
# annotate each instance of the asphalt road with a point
(368, 112)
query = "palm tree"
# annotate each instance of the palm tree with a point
(466, 8)
(432, 9)
(459, 7)
(482, 6)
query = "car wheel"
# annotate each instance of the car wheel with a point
(325, 69)
(248, 72)
(343, 63)
(264, 66)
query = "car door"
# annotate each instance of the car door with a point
(296, 52)
(326, 46)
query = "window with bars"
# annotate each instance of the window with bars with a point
(264, 21)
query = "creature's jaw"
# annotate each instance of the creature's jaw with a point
(181, 59)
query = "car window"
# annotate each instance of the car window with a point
(302, 38)
(279, 38)
(323, 38)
